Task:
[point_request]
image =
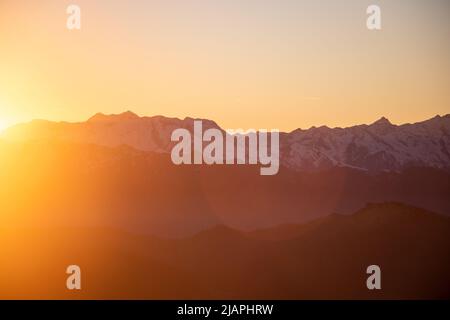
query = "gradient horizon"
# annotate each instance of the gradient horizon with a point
(258, 64)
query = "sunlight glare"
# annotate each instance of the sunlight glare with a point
(3, 125)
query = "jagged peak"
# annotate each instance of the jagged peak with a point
(127, 115)
(438, 117)
(382, 121)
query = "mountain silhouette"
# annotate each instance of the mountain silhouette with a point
(62, 183)
(324, 259)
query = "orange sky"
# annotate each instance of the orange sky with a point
(245, 64)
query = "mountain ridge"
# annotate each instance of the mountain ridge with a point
(380, 146)
(326, 260)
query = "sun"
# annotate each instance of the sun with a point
(3, 125)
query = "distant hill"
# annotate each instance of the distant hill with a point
(323, 259)
(73, 184)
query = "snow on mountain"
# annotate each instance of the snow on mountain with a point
(380, 146)
(376, 147)
(142, 133)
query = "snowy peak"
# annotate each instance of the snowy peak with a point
(380, 146)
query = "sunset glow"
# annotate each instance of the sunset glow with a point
(273, 64)
(229, 150)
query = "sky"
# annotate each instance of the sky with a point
(281, 64)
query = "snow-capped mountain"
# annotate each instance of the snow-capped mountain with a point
(142, 133)
(380, 146)
(375, 147)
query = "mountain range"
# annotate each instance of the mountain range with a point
(380, 146)
(104, 194)
(115, 171)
